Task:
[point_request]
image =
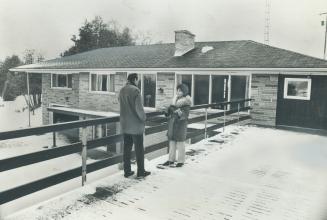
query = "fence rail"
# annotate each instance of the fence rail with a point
(81, 147)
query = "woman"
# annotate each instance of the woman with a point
(177, 114)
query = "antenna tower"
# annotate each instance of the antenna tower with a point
(267, 22)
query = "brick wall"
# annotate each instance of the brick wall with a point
(99, 101)
(264, 90)
(166, 81)
(68, 97)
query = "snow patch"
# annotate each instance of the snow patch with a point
(14, 115)
(206, 49)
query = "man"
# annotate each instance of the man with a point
(132, 121)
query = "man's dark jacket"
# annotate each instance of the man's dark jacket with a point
(132, 115)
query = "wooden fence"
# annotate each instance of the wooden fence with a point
(83, 145)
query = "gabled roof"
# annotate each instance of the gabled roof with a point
(223, 54)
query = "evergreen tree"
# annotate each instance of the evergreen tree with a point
(10, 84)
(14, 84)
(97, 34)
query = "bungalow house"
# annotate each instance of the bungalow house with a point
(288, 88)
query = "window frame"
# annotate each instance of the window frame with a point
(140, 76)
(142, 88)
(286, 83)
(67, 82)
(108, 83)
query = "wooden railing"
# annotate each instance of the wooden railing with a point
(84, 145)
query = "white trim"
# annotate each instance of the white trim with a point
(101, 72)
(319, 71)
(142, 84)
(246, 87)
(250, 92)
(51, 104)
(210, 88)
(156, 91)
(102, 92)
(192, 90)
(229, 87)
(287, 80)
(61, 88)
(175, 85)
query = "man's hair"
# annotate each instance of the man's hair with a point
(131, 77)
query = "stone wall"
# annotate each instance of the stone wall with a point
(264, 90)
(166, 81)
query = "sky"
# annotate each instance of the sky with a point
(47, 26)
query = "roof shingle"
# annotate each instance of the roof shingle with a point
(225, 54)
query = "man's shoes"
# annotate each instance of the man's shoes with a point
(179, 164)
(167, 163)
(131, 173)
(144, 174)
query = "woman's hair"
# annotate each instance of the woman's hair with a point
(183, 88)
(131, 77)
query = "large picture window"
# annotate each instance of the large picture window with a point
(103, 82)
(297, 88)
(187, 80)
(201, 89)
(61, 81)
(147, 85)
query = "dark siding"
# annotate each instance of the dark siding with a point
(304, 113)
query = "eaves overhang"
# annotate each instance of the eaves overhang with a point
(322, 71)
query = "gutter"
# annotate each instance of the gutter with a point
(319, 71)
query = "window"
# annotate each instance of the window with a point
(103, 82)
(147, 85)
(149, 90)
(238, 90)
(187, 80)
(201, 89)
(219, 90)
(61, 81)
(297, 88)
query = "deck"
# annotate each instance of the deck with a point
(257, 173)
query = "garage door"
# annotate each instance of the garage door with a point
(302, 101)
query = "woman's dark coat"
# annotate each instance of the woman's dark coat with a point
(177, 123)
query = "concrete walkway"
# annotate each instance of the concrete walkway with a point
(256, 174)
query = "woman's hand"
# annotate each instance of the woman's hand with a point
(179, 112)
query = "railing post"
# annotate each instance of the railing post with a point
(84, 154)
(238, 112)
(206, 123)
(54, 144)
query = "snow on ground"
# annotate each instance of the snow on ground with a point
(246, 173)
(14, 115)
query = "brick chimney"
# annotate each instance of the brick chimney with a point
(184, 42)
